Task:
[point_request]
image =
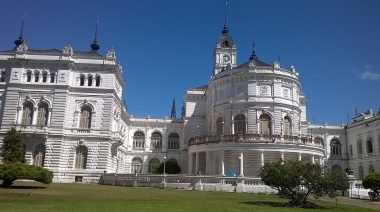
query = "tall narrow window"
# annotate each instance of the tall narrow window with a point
(42, 116)
(44, 76)
(335, 147)
(138, 140)
(81, 157)
(371, 169)
(265, 124)
(156, 140)
(287, 126)
(173, 141)
(369, 145)
(97, 81)
(239, 124)
(39, 155)
(36, 76)
(361, 172)
(219, 126)
(360, 147)
(29, 76)
(81, 80)
(89, 80)
(27, 113)
(85, 118)
(2, 76)
(136, 166)
(52, 77)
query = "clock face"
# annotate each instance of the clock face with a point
(226, 58)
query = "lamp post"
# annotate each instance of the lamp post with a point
(164, 164)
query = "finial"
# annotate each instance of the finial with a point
(225, 28)
(95, 46)
(20, 40)
(253, 55)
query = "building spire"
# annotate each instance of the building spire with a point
(95, 46)
(253, 55)
(20, 40)
(173, 113)
(225, 28)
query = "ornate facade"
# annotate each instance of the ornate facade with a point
(68, 105)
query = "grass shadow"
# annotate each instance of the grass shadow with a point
(309, 205)
(25, 187)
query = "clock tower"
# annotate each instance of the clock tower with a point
(224, 53)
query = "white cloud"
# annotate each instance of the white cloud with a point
(368, 74)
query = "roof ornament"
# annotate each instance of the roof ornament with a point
(22, 47)
(253, 55)
(95, 46)
(173, 114)
(225, 28)
(111, 54)
(68, 49)
(20, 40)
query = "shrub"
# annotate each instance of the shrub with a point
(9, 172)
(372, 181)
(171, 167)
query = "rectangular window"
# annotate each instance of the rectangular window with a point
(351, 152)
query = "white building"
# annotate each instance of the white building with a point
(68, 105)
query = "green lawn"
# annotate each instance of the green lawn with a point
(82, 197)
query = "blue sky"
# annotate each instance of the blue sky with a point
(166, 46)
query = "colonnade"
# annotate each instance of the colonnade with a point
(242, 154)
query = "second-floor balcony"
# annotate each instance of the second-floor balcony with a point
(256, 138)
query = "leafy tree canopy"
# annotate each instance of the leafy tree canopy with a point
(297, 180)
(171, 167)
(13, 147)
(372, 181)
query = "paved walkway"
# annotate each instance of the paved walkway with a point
(358, 202)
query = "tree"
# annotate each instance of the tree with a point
(297, 180)
(171, 167)
(13, 147)
(9, 172)
(372, 181)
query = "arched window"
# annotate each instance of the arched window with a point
(42, 117)
(156, 140)
(36, 76)
(52, 77)
(2, 76)
(89, 80)
(219, 126)
(138, 140)
(152, 164)
(27, 113)
(28, 76)
(265, 124)
(81, 157)
(371, 169)
(360, 146)
(97, 80)
(287, 126)
(239, 124)
(173, 141)
(136, 166)
(335, 147)
(85, 118)
(369, 145)
(39, 155)
(81, 80)
(44, 76)
(361, 172)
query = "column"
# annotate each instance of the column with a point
(207, 161)
(35, 114)
(190, 163)
(241, 158)
(312, 159)
(262, 158)
(222, 162)
(299, 156)
(282, 157)
(196, 163)
(49, 116)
